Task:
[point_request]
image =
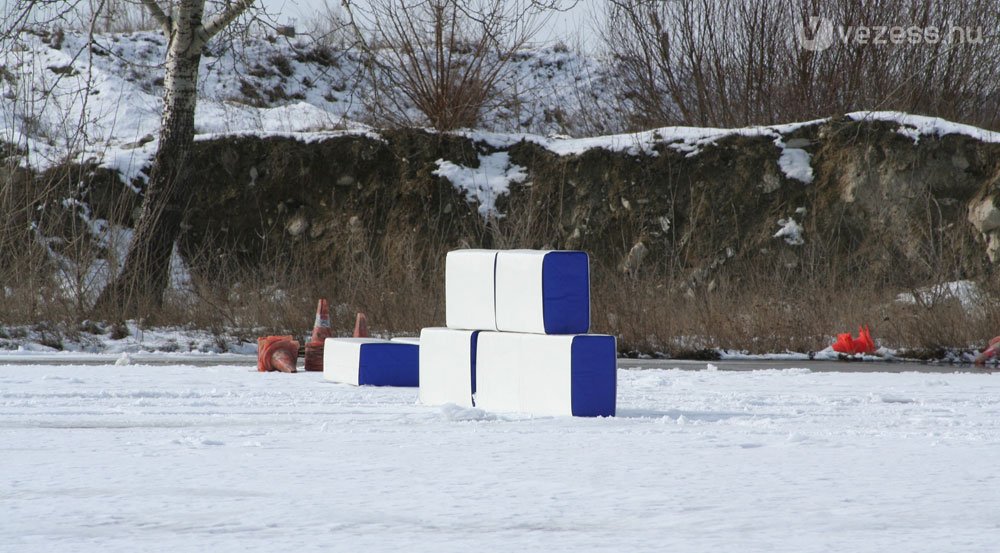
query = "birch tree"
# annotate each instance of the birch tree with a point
(144, 276)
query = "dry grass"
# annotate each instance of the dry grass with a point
(757, 308)
(760, 306)
(651, 314)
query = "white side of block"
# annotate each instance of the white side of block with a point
(342, 358)
(469, 289)
(413, 340)
(546, 375)
(446, 366)
(519, 305)
(527, 373)
(498, 371)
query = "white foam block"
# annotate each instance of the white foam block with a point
(370, 362)
(546, 375)
(415, 340)
(544, 292)
(447, 366)
(469, 289)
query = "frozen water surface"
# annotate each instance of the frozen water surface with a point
(222, 458)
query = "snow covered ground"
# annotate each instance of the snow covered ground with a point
(180, 458)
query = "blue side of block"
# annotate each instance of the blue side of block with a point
(594, 377)
(389, 364)
(473, 345)
(566, 292)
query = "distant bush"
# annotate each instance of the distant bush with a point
(445, 58)
(739, 62)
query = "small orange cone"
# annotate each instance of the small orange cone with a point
(361, 326)
(321, 331)
(277, 353)
(321, 328)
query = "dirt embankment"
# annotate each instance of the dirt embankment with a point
(683, 245)
(881, 206)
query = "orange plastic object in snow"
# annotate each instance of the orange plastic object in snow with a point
(990, 352)
(321, 331)
(277, 353)
(361, 326)
(848, 345)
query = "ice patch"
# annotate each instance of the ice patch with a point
(197, 442)
(795, 437)
(891, 398)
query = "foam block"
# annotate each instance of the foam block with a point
(546, 375)
(544, 292)
(415, 340)
(469, 289)
(447, 366)
(371, 362)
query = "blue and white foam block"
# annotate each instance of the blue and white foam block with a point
(544, 292)
(546, 375)
(447, 366)
(469, 289)
(371, 362)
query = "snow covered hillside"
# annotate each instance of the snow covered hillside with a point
(259, 85)
(180, 458)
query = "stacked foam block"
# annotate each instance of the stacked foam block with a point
(370, 362)
(517, 337)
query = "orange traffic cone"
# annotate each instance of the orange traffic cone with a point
(848, 345)
(321, 328)
(361, 326)
(990, 352)
(844, 344)
(864, 343)
(277, 353)
(321, 331)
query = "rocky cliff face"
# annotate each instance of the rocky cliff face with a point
(881, 205)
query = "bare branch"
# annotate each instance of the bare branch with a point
(224, 18)
(161, 18)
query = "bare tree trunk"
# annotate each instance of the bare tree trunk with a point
(143, 279)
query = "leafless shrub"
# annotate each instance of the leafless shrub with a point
(738, 62)
(442, 58)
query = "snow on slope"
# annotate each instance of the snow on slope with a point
(178, 458)
(309, 91)
(297, 85)
(277, 86)
(916, 126)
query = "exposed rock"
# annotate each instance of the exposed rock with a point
(881, 206)
(297, 225)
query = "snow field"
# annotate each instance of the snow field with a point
(178, 458)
